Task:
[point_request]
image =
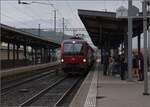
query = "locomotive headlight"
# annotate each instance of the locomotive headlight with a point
(73, 42)
(62, 60)
(84, 60)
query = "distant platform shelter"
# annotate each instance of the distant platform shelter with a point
(107, 31)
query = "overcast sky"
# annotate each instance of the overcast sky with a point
(29, 16)
(34, 14)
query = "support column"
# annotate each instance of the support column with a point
(8, 51)
(13, 51)
(125, 44)
(52, 54)
(130, 33)
(35, 55)
(44, 55)
(25, 52)
(144, 9)
(18, 46)
(41, 54)
(101, 55)
(139, 44)
(32, 54)
(100, 42)
(49, 54)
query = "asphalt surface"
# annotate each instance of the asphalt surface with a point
(113, 92)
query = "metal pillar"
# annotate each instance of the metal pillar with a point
(139, 44)
(126, 46)
(41, 55)
(32, 55)
(52, 54)
(18, 46)
(35, 55)
(144, 8)
(49, 54)
(129, 40)
(13, 51)
(100, 42)
(25, 52)
(8, 51)
(101, 55)
(44, 55)
(149, 34)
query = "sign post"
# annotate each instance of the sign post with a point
(122, 12)
(144, 8)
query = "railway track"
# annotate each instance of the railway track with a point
(18, 77)
(15, 84)
(53, 94)
(22, 92)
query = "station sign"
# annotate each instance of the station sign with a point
(122, 12)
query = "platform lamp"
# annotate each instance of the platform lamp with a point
(20, 2)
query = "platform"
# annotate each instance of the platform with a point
(14, 71)
(110, 91)
(113, 92)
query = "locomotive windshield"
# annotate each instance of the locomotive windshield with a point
(73, 48)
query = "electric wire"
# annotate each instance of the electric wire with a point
(13, 19)
(32, 17)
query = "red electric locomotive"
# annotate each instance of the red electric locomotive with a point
(76, 56)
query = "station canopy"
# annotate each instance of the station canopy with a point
(13, 35)
(107, 31)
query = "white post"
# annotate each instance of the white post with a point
(144, 7)
(149, 34)
(129, 41)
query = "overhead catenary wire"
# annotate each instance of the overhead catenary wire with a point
(71, 9)
(33, 17)
(53, 6)
(24, 13)
(37, 15)
(13, 19)
(61, 17)
(27, 13)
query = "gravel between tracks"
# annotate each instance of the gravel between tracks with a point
(22, 92)
(54, 94)
(67, 100)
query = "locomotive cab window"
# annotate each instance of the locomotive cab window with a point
(73, 48)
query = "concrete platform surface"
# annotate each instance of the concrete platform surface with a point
(29, 68)
(113, 92)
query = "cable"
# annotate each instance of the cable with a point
(22, 11)
(54, 7)
(71, 10)
(33, 17)
(69, 6)
(12, 18)
(35, 14)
